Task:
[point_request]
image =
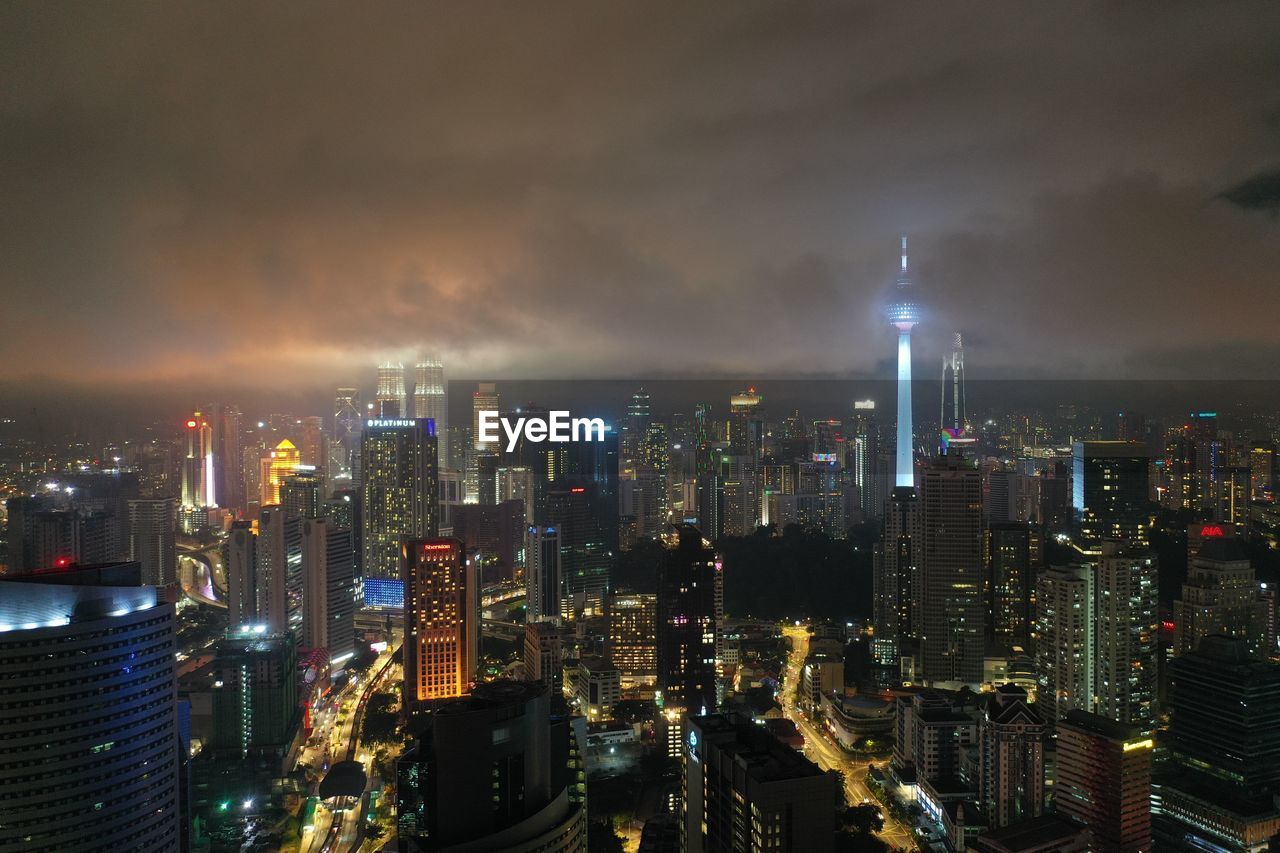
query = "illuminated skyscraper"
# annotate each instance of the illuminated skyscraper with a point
(279, 570)
(429, 401)
(152, 541)
(228, 456)
(282, 462)
(197, 468)
(1127, 635)
(1065, 650)
(441, 618)
(346, 432)
(1104, 781)
(400, 489)
(632, 644)
(485, 399)
(1109, 497)
(543, 575)
(390, 399)
(903, 313)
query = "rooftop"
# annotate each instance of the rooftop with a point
(765, 758)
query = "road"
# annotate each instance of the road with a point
(202, 575)
(336, 832)
(822, 750)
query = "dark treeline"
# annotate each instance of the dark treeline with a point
(798, 574)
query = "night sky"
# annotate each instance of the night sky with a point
(278, 195)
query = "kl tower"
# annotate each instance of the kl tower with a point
(903, 312)
(896, 558)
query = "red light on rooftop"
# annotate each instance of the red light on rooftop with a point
(191, 424)
(61, 563)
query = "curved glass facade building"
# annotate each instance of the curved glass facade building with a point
(89, 744)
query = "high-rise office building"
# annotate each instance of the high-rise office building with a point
(441, 617)
(1103, 780)
(241, 560)
(516, 483)
(865, 458)
(485, 399)
(89, 742)
(1011, 757)
(1065, 652)
(1224, 745)
(687, 625)
(497, 770)
(390, 401)
(952, 606)
(632, 641)
(1109, 499)
(346, 433)
(543, 575)
(542, 654)
(302, 494)
(197, 468)
(328, 589)
(282, 462)
(576, 511)
(228, 455)
(747, 792)
(1127, 638)
(279, 570)
(399, 489)
(895, 578)
(153, 539)
(430, 401)
(1015, 554)
(1220, 596)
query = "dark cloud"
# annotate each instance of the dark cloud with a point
(283, 193)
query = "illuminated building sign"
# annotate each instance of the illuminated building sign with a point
(558, 428)
(1212, 531)
(437, 546)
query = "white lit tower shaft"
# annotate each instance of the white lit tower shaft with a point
(903, 313)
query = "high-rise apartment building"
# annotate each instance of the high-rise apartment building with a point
(1065, 650)
(1103, 780)
(256, 712)
(441, 617)
(895, 578)
(1127, 640)
(1011, 737)
(328, 589)
(89, 742)
(241, 559)
(279, 570)
(153, 539)
(399, 489)
(1220, 596)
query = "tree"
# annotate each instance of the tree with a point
(602, 837)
